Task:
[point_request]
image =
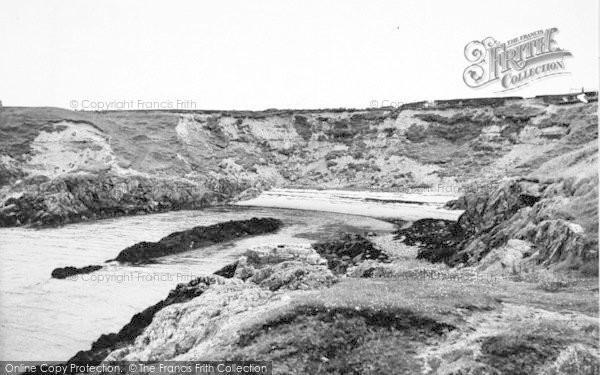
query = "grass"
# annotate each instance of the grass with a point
(381, 326)
(437, 299)
(452, 139)
(20, 126)
(519, 354)
(528, 351)
(339, 341)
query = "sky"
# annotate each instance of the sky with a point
(263, 54)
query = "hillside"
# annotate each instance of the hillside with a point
(408, 147)
(59, 166)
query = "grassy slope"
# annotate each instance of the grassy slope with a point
(427, 318)
(384, 148)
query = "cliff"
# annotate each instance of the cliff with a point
(59, 166)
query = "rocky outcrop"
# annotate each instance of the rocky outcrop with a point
(64, 272)
(506, 259)
(236, 319)
(88, 197)
(546, 223)
(285, 266)
(540, 213)
(438, 239)
(486, 209)
(198, 237)
(162, 333)
(347, 251)
(189, 330)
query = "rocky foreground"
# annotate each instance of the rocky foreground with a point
(362, 305)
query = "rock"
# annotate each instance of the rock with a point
(455, 204)
(559, 240)
(124, 163)
(575, 228)
(521, 246)
(69, 199)
(142, 252)
(191, 328)
(247, 194)
(156, 332)
(290, 267)
(438, 239)
(198, 237)
(370, 268)
(348, 250)
(64, 272)
(485, 210)
(357, 258)
(506, 224)
(227, 271)
(506, 259)
(292, 275)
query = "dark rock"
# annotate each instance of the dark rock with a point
(143, 252)
(77, 198)
(348, 250)
(487, 209)
(228, 271)
(438, 239)
(443, 241)
(523, 209)
(455, 204)
(64, 272)
(529, 200)
(198, 237)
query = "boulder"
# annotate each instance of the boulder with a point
(64, 272)
(288, 266)
(506, 259)
(348, 250)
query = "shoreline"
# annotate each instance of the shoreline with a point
(402, 265)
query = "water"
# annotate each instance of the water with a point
(49, 319)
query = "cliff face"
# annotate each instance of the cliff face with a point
(61, 166)
(556, 222)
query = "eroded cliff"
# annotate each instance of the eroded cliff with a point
(59, 166)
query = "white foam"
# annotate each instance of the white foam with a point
(366, 203)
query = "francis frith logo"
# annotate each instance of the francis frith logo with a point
(515, 63)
